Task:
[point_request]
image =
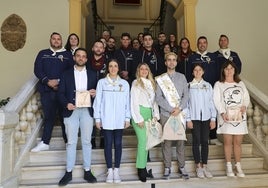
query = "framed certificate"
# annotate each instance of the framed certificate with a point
(82, 99)
(234, 115)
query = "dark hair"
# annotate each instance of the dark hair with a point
(125, 35)
(80, 49)
(161, 33)
(166, 43)
(98, 40)
(147, 34)
(112, 38)
(201, 37)
(199, 65)
(180, 52)
(139, 34)
(236, 75)
(136, 40)
(107, 67)
(68, 44)
(54, 33)
(224, 36)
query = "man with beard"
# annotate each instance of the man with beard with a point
(150, 56)
(110, 48)
(48, 68)
(97, 63)
(97, 59)
(76, 91)
(159, 44)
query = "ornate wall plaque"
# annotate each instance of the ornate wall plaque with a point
(13, 33)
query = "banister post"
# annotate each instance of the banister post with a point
(8, 121)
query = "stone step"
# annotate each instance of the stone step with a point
(128, 154)
(129, 140)
(56, 172)
(253, 178)
(57, 132)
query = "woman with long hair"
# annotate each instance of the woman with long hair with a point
(143, 108)
(183, 54)
(72, 42)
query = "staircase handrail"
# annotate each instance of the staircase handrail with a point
(97, 18)
(16, 104)
(160, 18)
(257, 94)
(258, 119)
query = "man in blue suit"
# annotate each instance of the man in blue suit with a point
(76, 92)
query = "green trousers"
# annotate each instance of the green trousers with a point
(142, 153)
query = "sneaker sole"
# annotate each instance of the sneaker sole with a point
(186, 177)
(117, 181)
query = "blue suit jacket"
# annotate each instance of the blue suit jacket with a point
(66, 92)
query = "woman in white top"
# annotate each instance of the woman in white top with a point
(231, 99)
(143, 108)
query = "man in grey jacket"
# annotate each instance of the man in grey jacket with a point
(177, 87)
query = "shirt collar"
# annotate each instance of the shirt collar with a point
(75, 69)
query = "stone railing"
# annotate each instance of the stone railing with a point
(258, 120)
(20, 122)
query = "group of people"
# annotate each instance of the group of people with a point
(116, 88)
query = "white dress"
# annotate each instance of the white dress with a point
(228, 98)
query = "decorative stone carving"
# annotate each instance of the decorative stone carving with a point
(28, 118)
(13, 33)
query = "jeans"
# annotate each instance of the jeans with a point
(200, 134)
(80, 118)
(110, 137)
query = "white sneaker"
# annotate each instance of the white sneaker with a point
(167, 172)
(215, 142)
(207, 172)
(40, 147)
(200, 172)
(229, 169)
(110, 176)
(184, 174)
(117, 178)
(239, 171)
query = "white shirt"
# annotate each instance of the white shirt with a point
(80, 78)
(144, 97)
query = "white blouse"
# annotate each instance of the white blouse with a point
(142, 97)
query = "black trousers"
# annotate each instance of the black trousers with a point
(200, 135)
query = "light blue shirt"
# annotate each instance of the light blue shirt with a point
(200, 105)
(112, 104)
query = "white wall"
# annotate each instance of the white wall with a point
(41, 17)
(243, 21)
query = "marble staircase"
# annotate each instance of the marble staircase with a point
(45, 168)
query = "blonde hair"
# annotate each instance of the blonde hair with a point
(169, 54)
(149, 77)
